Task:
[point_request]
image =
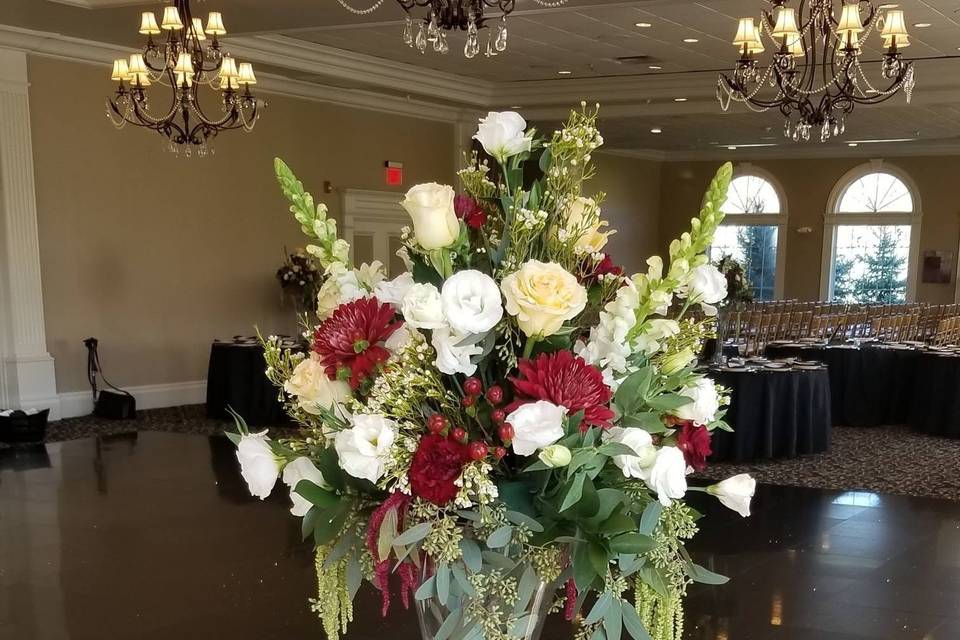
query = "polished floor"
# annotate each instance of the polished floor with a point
(152, 536)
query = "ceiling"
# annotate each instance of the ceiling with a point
(588, 38)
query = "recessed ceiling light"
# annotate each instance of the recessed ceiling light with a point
(692, 40)
(656, 130)
(679, 99)
(656, 67)
(889, 5)
(922, 25)
(564, 72)
(517, 106)
(851, 144)
(643, 25)
(732, 148)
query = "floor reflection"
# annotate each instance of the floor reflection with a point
(153, 536)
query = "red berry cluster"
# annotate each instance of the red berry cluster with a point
(438, 424)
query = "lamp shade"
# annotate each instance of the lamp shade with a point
(894, 30)
(148, 24)
(849, 21)
(137, 65)
(229, 84)
(121, 70)
(171, 19)
(184, 79)
(246, 75)
(795, 47)
(215, 24)
(228, 73)
(745, 32)
(786, 23)
(184, 64)
(197, 30)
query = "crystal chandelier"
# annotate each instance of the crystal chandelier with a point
(815, 77)
(440, 16)
(187, 57)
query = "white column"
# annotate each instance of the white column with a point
(28, 378)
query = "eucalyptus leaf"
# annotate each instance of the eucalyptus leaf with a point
(310, 521)
(574, 492)
(519, 629)
(415, 533)
(654, 580)
(599, 609)
(387, 535)
(631, 621)
(446, 629)
(471, 554)
(443, 583)
(354, 576)
(632, 543)
(650, 518)
(498, 560)
(340, 549)
(613, 621)
(518, 518)
(426, 590)
(461, 578)
(618, 522)
(583, 571)
(611, 449)
(528, 584)
(705, 576)
(500, 537)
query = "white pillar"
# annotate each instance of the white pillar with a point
(28, 378)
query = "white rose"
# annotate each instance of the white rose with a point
(454, 351)
(434, 219)
(258, 465)
(583, 222)
(365, 447)
(313, 389)
(668, 477)
(536, 425)
(707, 286)
(392, 291)
(706, 402)
(502, 134)
(555, 456)
(471, 302)
(542, 296)
(302, 469)
(735, 493)
(422, 307)
(637, 466)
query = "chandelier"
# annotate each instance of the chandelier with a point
(815, 78)
(187, 57)
(440, 16)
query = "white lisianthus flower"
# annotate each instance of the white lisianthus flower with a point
(422, 307)
(302, 469)
(677, 361)
(454, 351)
(502, 134)
(536, 425)
(651, 340)
(735, 493)
(364, 448)
(637, 466)
(668, 476)
(392, 291)
(542, 296)
(707, 286)
(435, 222)
(313, 389)
(555, 456)
(706, 402)
(582, 220)
(400, 338)
(471, 302)
(258, 464)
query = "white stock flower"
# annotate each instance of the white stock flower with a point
(735, 493)
(392, 291)
(435, 221)
(471, 302)
(342, 285)
(536, 425)
(607, 347)
(364, 448)
(258, 465)
(542, 296)
(313, 389)
(454, 351)
(707, 286)
(555, 456)
(706, 402)
(637, 466)
(302, 469)
(502, 134)
(668, 477)
(422, 307)
(651, 339)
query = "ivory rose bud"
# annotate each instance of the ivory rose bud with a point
(364, 448)
(471, 302)
(735, 493)
(555, 456)
(313, 389)
(542, 296)
(536, 425)
(502, 134)
(583, 221)
(302, 469)
(431, 208)
(258, 464)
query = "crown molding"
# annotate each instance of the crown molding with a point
(815, 150)
(637, 154)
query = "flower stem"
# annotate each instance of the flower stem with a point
(528, 347)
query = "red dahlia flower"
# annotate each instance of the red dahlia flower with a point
(435, 468)
(601, 269)
(470, 211)
(565, 379)
(350, 342)
(694, 441)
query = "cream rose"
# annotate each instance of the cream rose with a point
(583, 222)
(542, 296)
(435, 222)
(312, 388)
(502, 134)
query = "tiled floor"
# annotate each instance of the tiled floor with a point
(153, 536)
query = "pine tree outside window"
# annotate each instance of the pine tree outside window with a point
(754, 230)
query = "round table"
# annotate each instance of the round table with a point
(935, 395)
(774, 414)
(236, 379)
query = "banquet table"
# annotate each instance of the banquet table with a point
(774, 413)
(935, 395)
(235, 379)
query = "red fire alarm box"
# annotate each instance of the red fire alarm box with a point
(393, 172)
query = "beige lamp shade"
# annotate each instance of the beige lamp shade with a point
(229, 83)
(246, 75)
(894, 29)
(849, 21)
(795, 47)
(228, 68)
(121, 70)
(148, 24)
(197, 29)
(171, 19)
(184, 78)
(786, 23)
(215, 24)
(184, 64)
(745, 32)
(137, 65)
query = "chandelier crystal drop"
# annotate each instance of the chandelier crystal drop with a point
(428, 31)
(815, 72)
(185, 57)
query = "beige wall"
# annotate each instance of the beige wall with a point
(157, 255)
(807, 185)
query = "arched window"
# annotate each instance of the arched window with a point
(871, 237)
(754, 230)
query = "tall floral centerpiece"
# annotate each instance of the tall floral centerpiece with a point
(506, 430)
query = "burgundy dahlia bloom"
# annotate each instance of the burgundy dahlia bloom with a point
(435, 467)
(470, 211)
(565, 379)
(350, 342)
(694, 441)
(601, 269)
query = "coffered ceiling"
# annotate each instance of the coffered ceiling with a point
(638, 73)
